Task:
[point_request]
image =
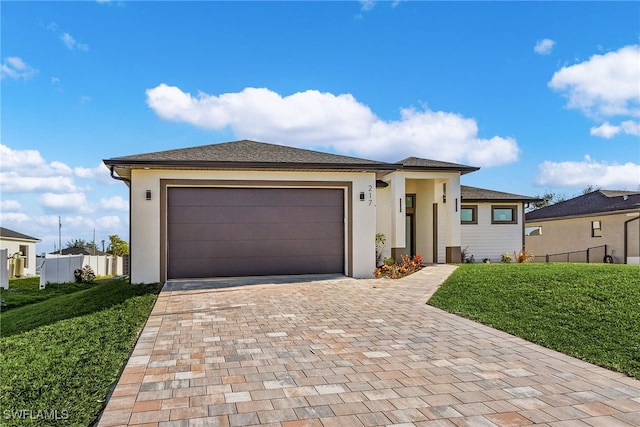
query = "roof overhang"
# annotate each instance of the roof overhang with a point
(124, 168)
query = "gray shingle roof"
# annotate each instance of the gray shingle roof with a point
(245, 151)
(475, 194)
(599, 201)
(79, 251)
(5, 232)
(422, 164)
(247, 154)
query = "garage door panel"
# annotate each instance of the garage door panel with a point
(258, 266)
(263, 214)
(254, 197)
(223, 232)
(254, 231)
(210, 250)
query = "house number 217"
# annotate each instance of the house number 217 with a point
(370, 197)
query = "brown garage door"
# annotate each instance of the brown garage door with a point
(218, 232)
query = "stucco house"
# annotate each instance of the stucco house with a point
(594, 220)
(492, 222)
(245, 208)
(16, 242)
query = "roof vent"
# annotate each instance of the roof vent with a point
(625, 197)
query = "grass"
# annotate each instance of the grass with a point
(589, 311)
(25, 291)
(64, 353)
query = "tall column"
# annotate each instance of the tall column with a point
(453, 248)
(398, 216)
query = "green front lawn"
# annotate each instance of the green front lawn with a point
(60, 356)
(25, 291)
(589, 311)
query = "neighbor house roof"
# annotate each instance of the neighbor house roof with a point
(10, 234)
(475, 194)
(79, 251)
(255, 155)
(596, 202)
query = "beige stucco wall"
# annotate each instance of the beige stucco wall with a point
(574, 234)
(487, 240)
(145, 214)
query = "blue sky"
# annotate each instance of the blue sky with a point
(543, 96)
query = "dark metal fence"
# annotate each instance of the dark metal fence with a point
(595, 254)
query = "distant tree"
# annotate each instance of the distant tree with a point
(590, 189)
(547, 199)
(81, 243)
(117, 246)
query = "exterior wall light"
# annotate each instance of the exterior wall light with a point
(148, 195)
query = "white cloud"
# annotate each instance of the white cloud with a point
(69, 41)
(27, 171)
(588, 172)
(8, 218)
(11, 206)
(15, 68)
(65, 202)
(607, 130)
(72, 43)
(603, 86)
(48, 189)
(544, 46)
(13, 182)
(99, 173)
(115, 203)
(366, 5)
(110, 222)
(317, 120)
(30, 163)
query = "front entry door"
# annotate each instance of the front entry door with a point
(410, 233)
(410, 225)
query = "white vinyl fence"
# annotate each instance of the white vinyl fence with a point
(60, 268)
(4, 268)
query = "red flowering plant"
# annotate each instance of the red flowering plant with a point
(408, 266)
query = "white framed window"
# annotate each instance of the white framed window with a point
(596, 229)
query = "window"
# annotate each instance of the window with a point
(533, 231)
(596, 229)
(408, 201)
(504, 214)
(469, 214)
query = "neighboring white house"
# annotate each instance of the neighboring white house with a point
(20, 245)
(247, 208)
(492, 223)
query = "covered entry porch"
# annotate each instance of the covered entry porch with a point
(419, 213)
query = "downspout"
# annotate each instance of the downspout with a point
(128, 181)
(626, 233)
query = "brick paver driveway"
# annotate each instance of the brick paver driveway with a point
(350, 353)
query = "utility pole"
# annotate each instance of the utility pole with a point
(59, 236)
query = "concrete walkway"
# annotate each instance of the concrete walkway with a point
(346, 352)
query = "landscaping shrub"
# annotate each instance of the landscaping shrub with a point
(85, 274)
(396, 271)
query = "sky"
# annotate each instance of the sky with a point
(542, 96)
